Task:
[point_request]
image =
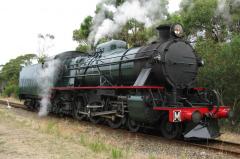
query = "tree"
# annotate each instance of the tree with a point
(135, 33)
(216, 18)
(10, 72)
(119, 2)
(81, 35)
(221, 71)
(45, 43)
(198, 15)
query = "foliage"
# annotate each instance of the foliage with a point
(10, 73)
(11, 90)
(119, 2)
(83, 32)
(216, 18)
(222, 71)
(81, 35)
(135, 33)
(83, 48)
(198, 15)
(41, 58)
(174, 18)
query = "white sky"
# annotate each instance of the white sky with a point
(22, 20)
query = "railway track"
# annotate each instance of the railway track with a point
(11, 104)
(219, 146)
(225, 147)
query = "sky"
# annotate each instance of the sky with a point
(21, 21)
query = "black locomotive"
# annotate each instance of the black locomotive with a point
(149, 86)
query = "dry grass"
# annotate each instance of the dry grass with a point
(64, 130)
(230, 136)
(105, 144)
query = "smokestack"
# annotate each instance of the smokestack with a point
(164, 33)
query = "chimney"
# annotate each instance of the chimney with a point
(164, 33)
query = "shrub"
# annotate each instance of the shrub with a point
(11, 90)
(222, 70)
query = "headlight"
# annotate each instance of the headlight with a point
(177, 30)
(158, 57)
(196, 116)
(200, 62)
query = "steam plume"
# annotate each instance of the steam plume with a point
(223, 9)
(47, 78)
(148, 12)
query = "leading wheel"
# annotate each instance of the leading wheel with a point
(170, 130)
(117, 122)
(133, 126)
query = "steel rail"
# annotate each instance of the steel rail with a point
(218, 146)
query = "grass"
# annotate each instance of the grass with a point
(2, 142)
(151, 156)
(56, 128)
(2, 146)
(5, 116)
(117, 153)
(82, 140)
(51, 127)
(98, 146)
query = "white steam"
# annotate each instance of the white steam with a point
(223, 9)
(148, 12)
(47, 78)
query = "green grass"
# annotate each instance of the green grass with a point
(97, 146)
(100, 147)
(117, 153)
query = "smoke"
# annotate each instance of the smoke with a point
(147, 12)
(223, 9)
(47, 78)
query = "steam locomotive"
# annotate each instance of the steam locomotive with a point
(150, 86)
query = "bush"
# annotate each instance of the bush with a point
(222, 70)
(11, 90)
